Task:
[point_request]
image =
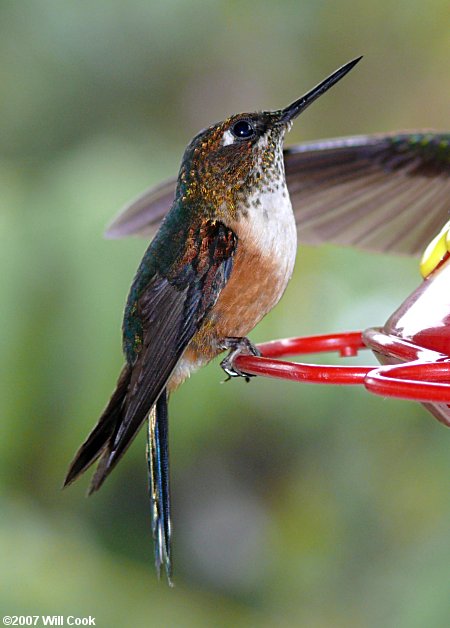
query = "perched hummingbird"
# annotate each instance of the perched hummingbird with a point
(220, 261)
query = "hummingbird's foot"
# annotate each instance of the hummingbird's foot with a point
(237, 346)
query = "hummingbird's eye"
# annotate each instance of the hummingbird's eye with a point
(243, 130)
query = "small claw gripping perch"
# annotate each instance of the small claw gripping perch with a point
(237, 346)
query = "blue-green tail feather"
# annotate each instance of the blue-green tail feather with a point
(158, 467)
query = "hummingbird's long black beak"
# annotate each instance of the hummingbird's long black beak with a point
(293, 110)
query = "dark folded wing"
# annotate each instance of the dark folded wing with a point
(377, 192)
(382, 193)
(171, 309)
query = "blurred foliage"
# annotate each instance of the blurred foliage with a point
(293, 505)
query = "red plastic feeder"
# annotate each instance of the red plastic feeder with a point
(423, 375)
(413, 347)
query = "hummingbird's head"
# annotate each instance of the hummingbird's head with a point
(226, 162)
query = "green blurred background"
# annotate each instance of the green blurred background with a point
(293, 505)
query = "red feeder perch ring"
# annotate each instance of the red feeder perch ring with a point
(347, 344)
(423, 374)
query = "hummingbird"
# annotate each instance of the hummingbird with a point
(220, 261)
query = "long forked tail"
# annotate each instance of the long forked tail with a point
(101, 435)
(158, 467)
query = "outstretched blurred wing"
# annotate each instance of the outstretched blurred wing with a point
(143, 215)
(382, 193)
(377, 192)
